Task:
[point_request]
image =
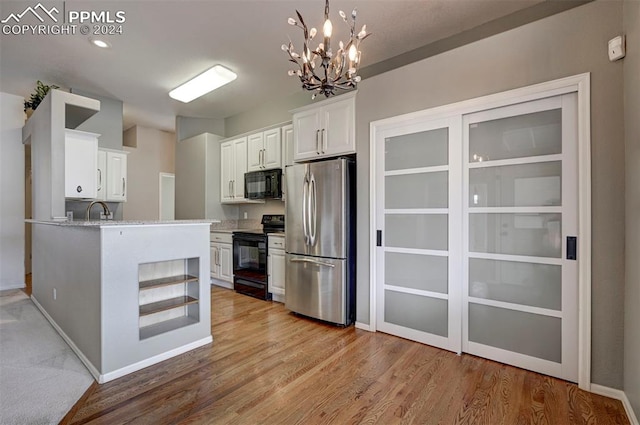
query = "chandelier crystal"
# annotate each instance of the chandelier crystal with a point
(321, 70)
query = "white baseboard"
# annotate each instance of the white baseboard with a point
(618, 395)
(110, 376)
(364, 326)
(11, 286)
(222, 283)
(92, 369)
(153, 360)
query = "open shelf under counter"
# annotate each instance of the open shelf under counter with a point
(166, 326)
(168, 304)
(167, 281)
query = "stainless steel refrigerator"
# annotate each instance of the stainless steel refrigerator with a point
(320, 240)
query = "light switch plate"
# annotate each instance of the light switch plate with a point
(616, 48)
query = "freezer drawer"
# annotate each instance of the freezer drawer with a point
(317, 287)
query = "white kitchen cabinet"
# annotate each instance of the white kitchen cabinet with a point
(276, 267)
(325, 129)
(233, 165)
(116, 176)
(111, 175)
(287, 146)
(287, 155)
(80, 164)
(101, 193)
(264, 150)
(222, 259)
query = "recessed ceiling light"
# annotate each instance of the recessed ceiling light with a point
(202, 84)
(99, 43)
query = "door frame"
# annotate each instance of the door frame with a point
(580, 84)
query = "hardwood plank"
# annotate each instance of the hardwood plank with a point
(267, 365)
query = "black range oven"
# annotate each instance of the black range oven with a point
(250, 258)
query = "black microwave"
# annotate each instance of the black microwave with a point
(265, 184)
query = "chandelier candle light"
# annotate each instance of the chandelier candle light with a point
(340, 70)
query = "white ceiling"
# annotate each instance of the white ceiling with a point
(164, 43)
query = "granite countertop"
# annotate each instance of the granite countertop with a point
(234, 230)
(115, 223)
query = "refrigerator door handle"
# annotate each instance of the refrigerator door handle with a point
(305, 194)
(312, 211)
(312, 261)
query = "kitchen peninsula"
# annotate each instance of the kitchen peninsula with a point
(124, 295)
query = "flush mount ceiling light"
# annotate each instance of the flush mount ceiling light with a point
(209, 80)
(340, 70)
(99, 43)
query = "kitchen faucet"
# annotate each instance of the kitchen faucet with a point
(108, 214)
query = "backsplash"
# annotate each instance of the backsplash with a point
(236, 224)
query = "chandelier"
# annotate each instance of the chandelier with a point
(321, 70)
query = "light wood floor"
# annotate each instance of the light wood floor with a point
(268, 366)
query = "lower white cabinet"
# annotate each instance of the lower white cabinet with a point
(80, 163)
(222, 259)
(276, 267)
(112, 175)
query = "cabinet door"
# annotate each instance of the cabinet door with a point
(287, 146)
(338, 134)
(225, 258)
(116, 177)
(255, 146)
(215, 268)
(240, 164)
(227, 159)
(81, 162)
(272, 153)
(101, 193)
(306, 133)
(276, 269)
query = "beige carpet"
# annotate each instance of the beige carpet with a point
(40, 377)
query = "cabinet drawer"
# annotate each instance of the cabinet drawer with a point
(276, 242)
(221, 237)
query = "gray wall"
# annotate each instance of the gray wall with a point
(107, 123)
(187, 127)
(154, 154)
(273, 112)
(548, 49)
(12, 210)
(631, 15)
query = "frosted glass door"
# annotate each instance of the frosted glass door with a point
(520, 205)
(419, 213)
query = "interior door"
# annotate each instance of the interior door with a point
(418, 212)
(520, 215)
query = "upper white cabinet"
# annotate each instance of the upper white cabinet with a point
(264, 150)
(325, 129)
(111, 177)
(287, 146)
(233, 165)
(116, 176)
(80, 164)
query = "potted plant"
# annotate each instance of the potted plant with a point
(37, 96)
